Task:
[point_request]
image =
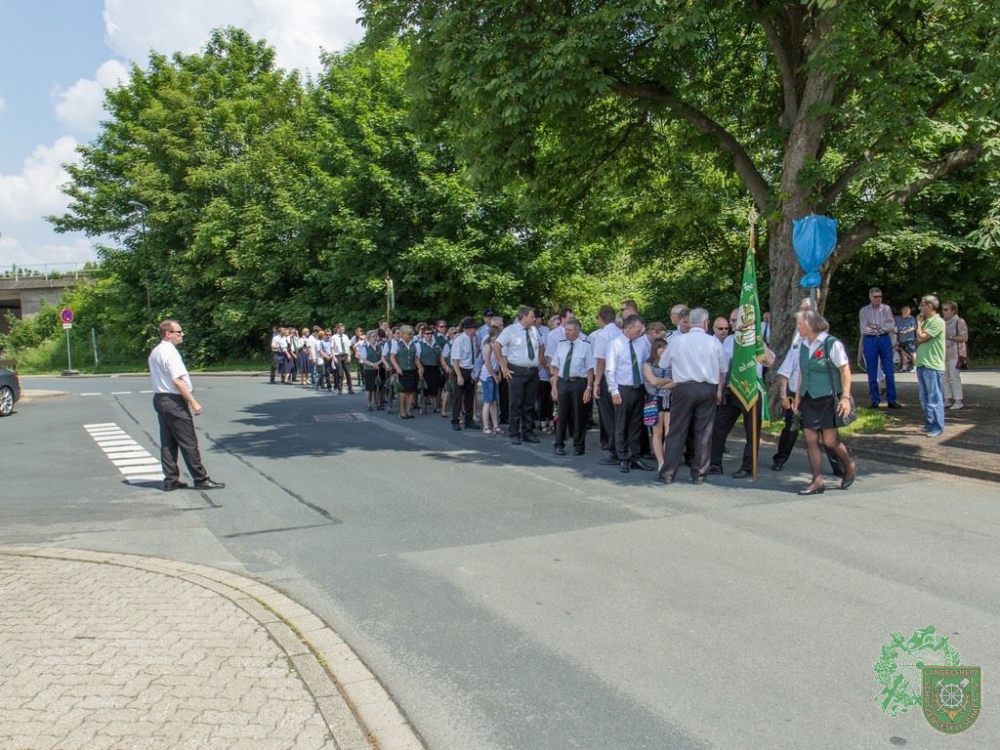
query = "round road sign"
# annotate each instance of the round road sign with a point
(66, 315)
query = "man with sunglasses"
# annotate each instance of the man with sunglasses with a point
(721, 329)
(176, 407)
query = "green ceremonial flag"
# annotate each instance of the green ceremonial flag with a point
(748, 346)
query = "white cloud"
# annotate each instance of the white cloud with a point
(35, 191)
(81, 106)
(297, 29)
(59, 252)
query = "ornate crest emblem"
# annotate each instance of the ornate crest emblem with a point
(952, 697)
(899, 669)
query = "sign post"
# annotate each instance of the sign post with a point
(66, 315)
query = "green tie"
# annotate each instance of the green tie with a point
(531, 349)
(636, 375)
(569, 358)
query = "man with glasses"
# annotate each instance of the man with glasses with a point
(721, 328)
(175, 404)
(877, 321)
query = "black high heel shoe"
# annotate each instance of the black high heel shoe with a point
(814, 491)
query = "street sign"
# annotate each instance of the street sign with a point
(67, 326)
(67, 315)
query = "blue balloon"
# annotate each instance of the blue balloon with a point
(814, 238)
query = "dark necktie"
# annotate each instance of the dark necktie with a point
(531, 349)
(636, 375)
(569, 358)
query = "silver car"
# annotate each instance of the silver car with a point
(10, 391)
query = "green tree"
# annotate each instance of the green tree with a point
(849, 107)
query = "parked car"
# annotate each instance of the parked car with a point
(10, 391)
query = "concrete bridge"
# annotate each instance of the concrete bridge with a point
(24, 294)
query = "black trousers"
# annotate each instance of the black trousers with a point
(788, 438)
(464, 398)
(628, 422)
(572, 413)
(324, 374)
(523, 389)
(726, 415)
(177, 433)
(342, 373)
(692, 406)
(503, 405)
(606, 415)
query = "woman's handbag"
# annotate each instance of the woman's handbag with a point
(840, 421)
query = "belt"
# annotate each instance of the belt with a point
(875, 335)
(521, 367)
(576, 377)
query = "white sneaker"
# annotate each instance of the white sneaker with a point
(956, 406)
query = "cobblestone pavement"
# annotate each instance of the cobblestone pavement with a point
(118, 652)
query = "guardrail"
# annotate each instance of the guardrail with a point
(48, 270)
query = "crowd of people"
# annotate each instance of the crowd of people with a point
(659, 396)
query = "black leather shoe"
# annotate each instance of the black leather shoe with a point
(531, 438)
(662, 479)
(777, 466)
(515, 441)
(610, 461)
(815, 491)
(623, 467)
(849, 476)
(171, 486)
(560, 451)
(209, 484)
(895, 405)
(742, 474)
(578, 451)
(714, 469)
(637, 464)
(697, 480)
(457, 427)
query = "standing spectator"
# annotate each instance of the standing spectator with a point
(305, 357)
(463, 360)
(698, 367)
(430, 358)
(600, 339)
(906, 338)
(518, 349)
(406, 363)
(877, 322)
(175, 404)
(572, 372)
(658, 384)
(371, 361)
(679, 320)
(623, 372)
(931, 365)
(545, 404)
(489, 376)
(956, 335)
(279, 345)
(721, 328)
(821, 398)
(342, 360)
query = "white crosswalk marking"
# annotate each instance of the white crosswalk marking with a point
(134, 462)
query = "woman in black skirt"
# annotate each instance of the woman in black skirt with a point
(371, 362)
(824, 392)
(406, 363)
(430, 359)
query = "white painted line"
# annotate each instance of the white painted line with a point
(90, 394)
(121, 393)
(145, 478)
(127, 454)
(112, 442)
(132, 470)
(137, 461)
(101, 424)
(108, 434)
(106, 431)
(146, 391)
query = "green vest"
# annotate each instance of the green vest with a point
(815, 372)
(406, 355)
(372, 353)
(429, 354)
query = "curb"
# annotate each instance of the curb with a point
(358, 710)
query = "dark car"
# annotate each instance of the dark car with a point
(10, 391)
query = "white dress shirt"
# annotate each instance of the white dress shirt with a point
(695, 357)
(165, 365)
(341, 345)
(580, 363)
(790, 366)
(602, 338)
(463, 351)
(513, 342)
(618, 364)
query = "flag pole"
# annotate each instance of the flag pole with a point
(754, 427)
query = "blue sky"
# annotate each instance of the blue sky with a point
(57, 57)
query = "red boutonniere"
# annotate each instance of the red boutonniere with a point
(819, 353)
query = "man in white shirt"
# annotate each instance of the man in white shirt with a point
(679, 319)
(572, 370)
(342, 361)
(623, 374)
(174, 404)
(698, 367)
(279, 346)
(600, 339)
(519, 350)
(463, 360)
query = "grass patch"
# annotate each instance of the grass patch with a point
(869, 421)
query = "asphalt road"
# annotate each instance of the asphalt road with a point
(510, 598)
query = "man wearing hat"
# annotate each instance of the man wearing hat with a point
(483, 332)
(463, 359)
